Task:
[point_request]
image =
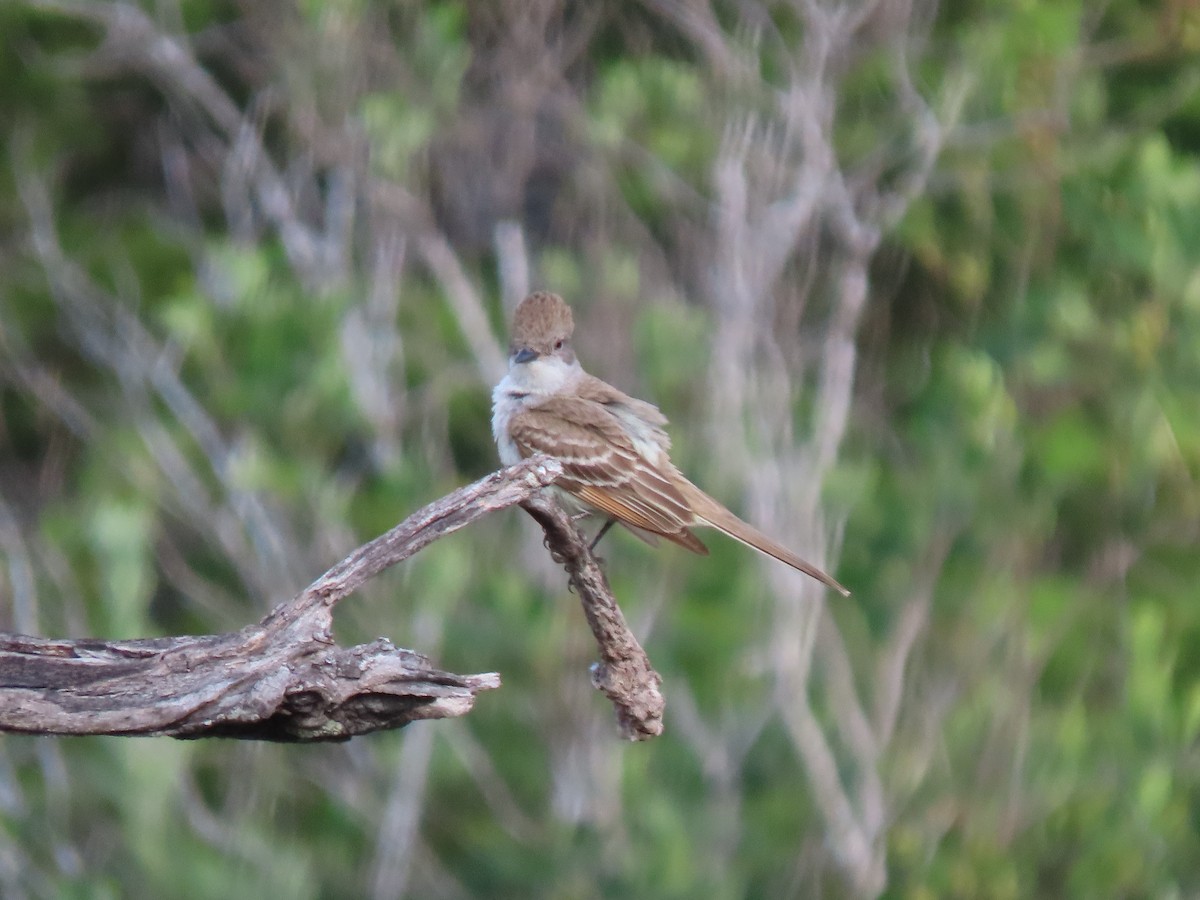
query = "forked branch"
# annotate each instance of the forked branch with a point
(285, 679)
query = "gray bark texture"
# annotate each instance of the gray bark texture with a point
(285, 679)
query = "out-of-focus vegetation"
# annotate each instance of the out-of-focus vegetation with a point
(254, 267)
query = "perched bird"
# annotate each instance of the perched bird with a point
(612, 446)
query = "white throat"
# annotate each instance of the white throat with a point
(527, 384)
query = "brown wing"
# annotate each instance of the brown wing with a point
(602, 467)
(644, 418)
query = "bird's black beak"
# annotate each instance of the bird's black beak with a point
(524, 355)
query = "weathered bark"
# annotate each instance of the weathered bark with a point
(259, 684)
(284, 679)
(624, 673)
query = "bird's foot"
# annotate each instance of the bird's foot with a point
(603, 531)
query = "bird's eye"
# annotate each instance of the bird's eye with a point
(558, 344)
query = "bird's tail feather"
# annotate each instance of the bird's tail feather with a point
(712, 513)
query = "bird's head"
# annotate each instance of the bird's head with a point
(541, 331)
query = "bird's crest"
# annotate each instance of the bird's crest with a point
(540, 321)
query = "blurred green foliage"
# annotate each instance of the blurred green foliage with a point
(1028, 393)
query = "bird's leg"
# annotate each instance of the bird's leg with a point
(603, 531)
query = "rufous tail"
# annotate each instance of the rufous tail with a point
(712, 513)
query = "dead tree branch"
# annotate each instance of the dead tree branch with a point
(624, 673)
(284, 679)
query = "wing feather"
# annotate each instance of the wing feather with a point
(602, 466)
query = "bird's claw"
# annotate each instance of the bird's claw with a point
(603, 531)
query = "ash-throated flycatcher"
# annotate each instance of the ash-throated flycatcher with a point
(613, 447)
